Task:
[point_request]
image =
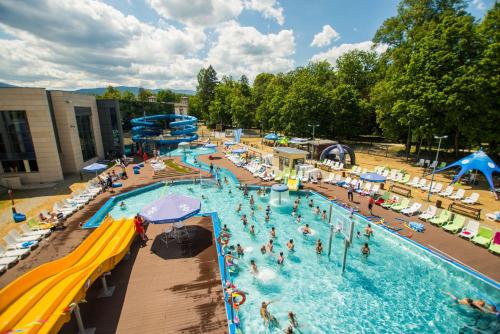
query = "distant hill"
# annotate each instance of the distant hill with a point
(3, 85)
(134, 90)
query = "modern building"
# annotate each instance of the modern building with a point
(44, 134)
(110, 121)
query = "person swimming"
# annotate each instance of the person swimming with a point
(268, 209)
(252, 201)
(478, 304)
(266, 315)
(253, 267)
(317, 211)
(266, 217)
(306, 229)
(293, 320)
(252, 230)
(225, 180)
(323, 215)
(368, 231)
(290, 245)
(273, 232)
(263, 249)
(365, 250)
(358, 234)
(311, 203)
(123, 206)
(319, 247)
(238, 208)
(239, 250)
(252, 212)
(281, 259)
(225, 228)
(244, 219)
(299, 219)
(270, 246)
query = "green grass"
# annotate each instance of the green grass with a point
(173, 165)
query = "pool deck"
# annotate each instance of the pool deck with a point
(160, 289)
(434, 238)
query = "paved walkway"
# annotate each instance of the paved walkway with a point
(160, 289)
(434, 238)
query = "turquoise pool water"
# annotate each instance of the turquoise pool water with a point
(399, 289)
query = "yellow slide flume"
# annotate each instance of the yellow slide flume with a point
(37, 301)
(293, 184)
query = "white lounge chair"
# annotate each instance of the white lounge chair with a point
(375, 189)
(433, 164)
(429, 213)
(20, 253)
(26, 231)
(413, 209)
(366, 189)
(340, 167)
(329, 179)
(8, 261)
(470, 230)
(458, 195)
(421, 184)
(447, 192)
(20, 238)
(436, 187)
(493, 216)
(472, 199)
(421, 163)
(13, 244)
(414, 182)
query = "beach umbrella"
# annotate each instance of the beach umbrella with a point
(229, 143)
(372, 177)
(239, 150)
(171, 209)
(271, 136)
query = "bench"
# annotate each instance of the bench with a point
(465, 210)
(406, 192)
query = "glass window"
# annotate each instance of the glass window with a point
(17, 151)
(85, 132)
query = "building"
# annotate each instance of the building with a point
(289, 157)
(110, 121)
(182, 108)
(45, 134)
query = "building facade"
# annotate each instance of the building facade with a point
(110, 121)
(182, 108)
(44, 134)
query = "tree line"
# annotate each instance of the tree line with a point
(440, 75)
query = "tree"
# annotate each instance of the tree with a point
(194, 106)
(207, 82)
(111, 93)
(128, 96)
(144, 94)
(166, 95)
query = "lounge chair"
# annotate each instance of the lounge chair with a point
(414, 182)
(279, 176)
(470, 230)
(458, 195)
(429, 213)
(346, 182)
(447, 192)
(340, 166)
(401, 205)
(366, 189)
(433, 164)
(20, 253)
(390, 202)
(442, 165)
(8, 261)
(443, 218)
(375, 189)
(20, 238)
(495, 244)
(405, 179)
(421, 184)
(427, 163)
(483, 237)
(13, 244)
(472, 199)
(329, 179)
(398, 177)
(436, 187)
(421, 163)
(413, 209)
(384, 198)
(456, 224)
(26, 231)
(35, 226)
(493, 216)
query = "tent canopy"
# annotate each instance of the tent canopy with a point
(340, 151)
(171, 209)
(476, 161)
(94, 168)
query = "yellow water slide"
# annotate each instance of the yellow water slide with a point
(40, 300)
(293, 184)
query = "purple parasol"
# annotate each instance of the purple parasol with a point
(170, 209)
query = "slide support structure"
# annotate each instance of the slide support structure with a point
(79, 322)
(106, 291)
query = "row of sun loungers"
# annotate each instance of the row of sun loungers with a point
(332, 165)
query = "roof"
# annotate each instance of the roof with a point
(289, 150)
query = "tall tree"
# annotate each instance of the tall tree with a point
(144, 94)
(207, 82)
(111, 93)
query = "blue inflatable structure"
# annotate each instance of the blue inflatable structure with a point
(149, 128)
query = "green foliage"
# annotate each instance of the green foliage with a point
(144, 94)
(207, 82)
(111, 93)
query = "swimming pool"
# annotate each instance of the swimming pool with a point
(399, 289)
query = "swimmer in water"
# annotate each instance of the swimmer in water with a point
(238, 209)
(311, 203)
(122, 205)
(252, 212)
(253, 267)
(295, 206)
(317, 211)
(319, 247)
(266, 217)
(273, 232)
(306, 229)
(479, 304)
(203, 197)
(266, 315)
(358, 234)
(225, 180)
(268, 209)
(230, 192)
(270, 246)
(368, 231)
(281, 259)
(323, 215)
(252, 201)
(290, 245)
(239, 250)
(293, 320)
(225, 228)
(299, 219)
(263, 249)
(252, 230)
(244, 220)
(365, 250)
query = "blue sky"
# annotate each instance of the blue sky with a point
(163, 43)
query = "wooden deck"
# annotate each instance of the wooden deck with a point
(162, 289)
(434, 238)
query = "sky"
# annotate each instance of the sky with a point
(71, 44)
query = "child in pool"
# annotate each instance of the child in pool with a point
(239, 250)
(266, 217)
(281, 259)
(306, 230)
(123, 206)
(317, 211)
(365, 250)
(238, 208)
(273, 232)
(311, 203)
(244, 219)
(263, 249)
(270, 246)
(368, 231)
(319, 247)
(290, 245)
(253, 267)
(252, 230)
(323, 215)
(299, 219)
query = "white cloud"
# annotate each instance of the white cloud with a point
(269, 8)
(244, 50)
(335, 52)
(325, 37)
(206, 13)
(479, 4)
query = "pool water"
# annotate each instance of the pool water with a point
(398, 289)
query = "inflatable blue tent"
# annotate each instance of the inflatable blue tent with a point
(340, 151)
(479, 161)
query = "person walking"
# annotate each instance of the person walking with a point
(350, 193)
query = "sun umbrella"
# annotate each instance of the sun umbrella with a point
(372, 177)
(229, 143)
(170, 209)
(239, 150)
(271, 136)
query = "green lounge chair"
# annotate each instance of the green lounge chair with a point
(483, 237)
(406, 178)
(279, 176)
(443, 218)
(387, 204)
(293, 174)
(456, 225)
(401, 205)
(495, 244)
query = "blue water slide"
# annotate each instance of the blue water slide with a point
(183, 127)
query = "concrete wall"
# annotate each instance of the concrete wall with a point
(103, 108)
(34, 102)
(71, 156)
